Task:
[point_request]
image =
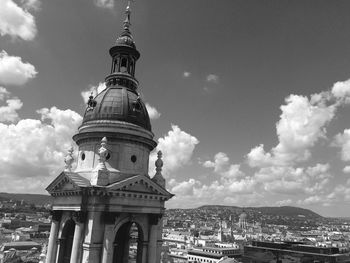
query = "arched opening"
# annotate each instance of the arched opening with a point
(128, 244)
(124, 65)
(131, 69)
(66, 242)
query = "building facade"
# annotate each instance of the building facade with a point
(109, 209)
(286, 252)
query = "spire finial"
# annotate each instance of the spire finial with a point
(68, 160)
(127, 18)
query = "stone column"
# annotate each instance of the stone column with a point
(93, 240)
(52, 246)
(159, 239)
(76, 248)
(152, 246)
(108, 249)
(144, 251)
(79, 218)
(152, 237)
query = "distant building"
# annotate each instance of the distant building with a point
(283, 252)
(213, 254)
(242, 223)
(22, 245)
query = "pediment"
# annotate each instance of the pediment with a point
(139, 184)
(67, 181)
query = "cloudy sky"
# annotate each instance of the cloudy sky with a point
(250, 100)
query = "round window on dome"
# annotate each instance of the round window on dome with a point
(133, 158)
(82, 156)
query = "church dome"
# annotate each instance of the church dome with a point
(243, 216)
(118, 103)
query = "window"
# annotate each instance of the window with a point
(131, 69)
(123, 65)
(133, 158)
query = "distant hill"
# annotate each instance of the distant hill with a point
(287, 211)
(290, 211)
(36, 199)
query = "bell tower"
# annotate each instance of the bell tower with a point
(108, 209)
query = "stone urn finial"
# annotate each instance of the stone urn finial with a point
(159, 163)
(68, 160)
(158, 177)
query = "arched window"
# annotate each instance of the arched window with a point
(115, 66)
(124, 65)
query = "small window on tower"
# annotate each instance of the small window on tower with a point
(123, 65)
(131, 70)
(133, 158)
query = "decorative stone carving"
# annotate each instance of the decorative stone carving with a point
(103, 152)
(132, 218)
(79, 216)
(56, 215)
(69, 160)
(101, 173)
(159, 163)
(158, 177)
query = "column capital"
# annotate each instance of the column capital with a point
(154, 218)
(56, 215)
(79, 216)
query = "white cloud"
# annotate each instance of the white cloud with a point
(341, 89)
(186, 74)
(212, 78)
(9, 113)
(94, 90)
(302, 123)
(346, 169)
(285, 202)
(222, 166)
(342, 140)
(16, 21)
(32, 151)
(177, 148)
(312, 200)
(152, 112)
(29, 5)
(185, 187)
(13, 71)
(109, 4)
(3, 93)
(291, 181)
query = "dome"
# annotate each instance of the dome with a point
(118, 103)
(243, 216)
(125, 39)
